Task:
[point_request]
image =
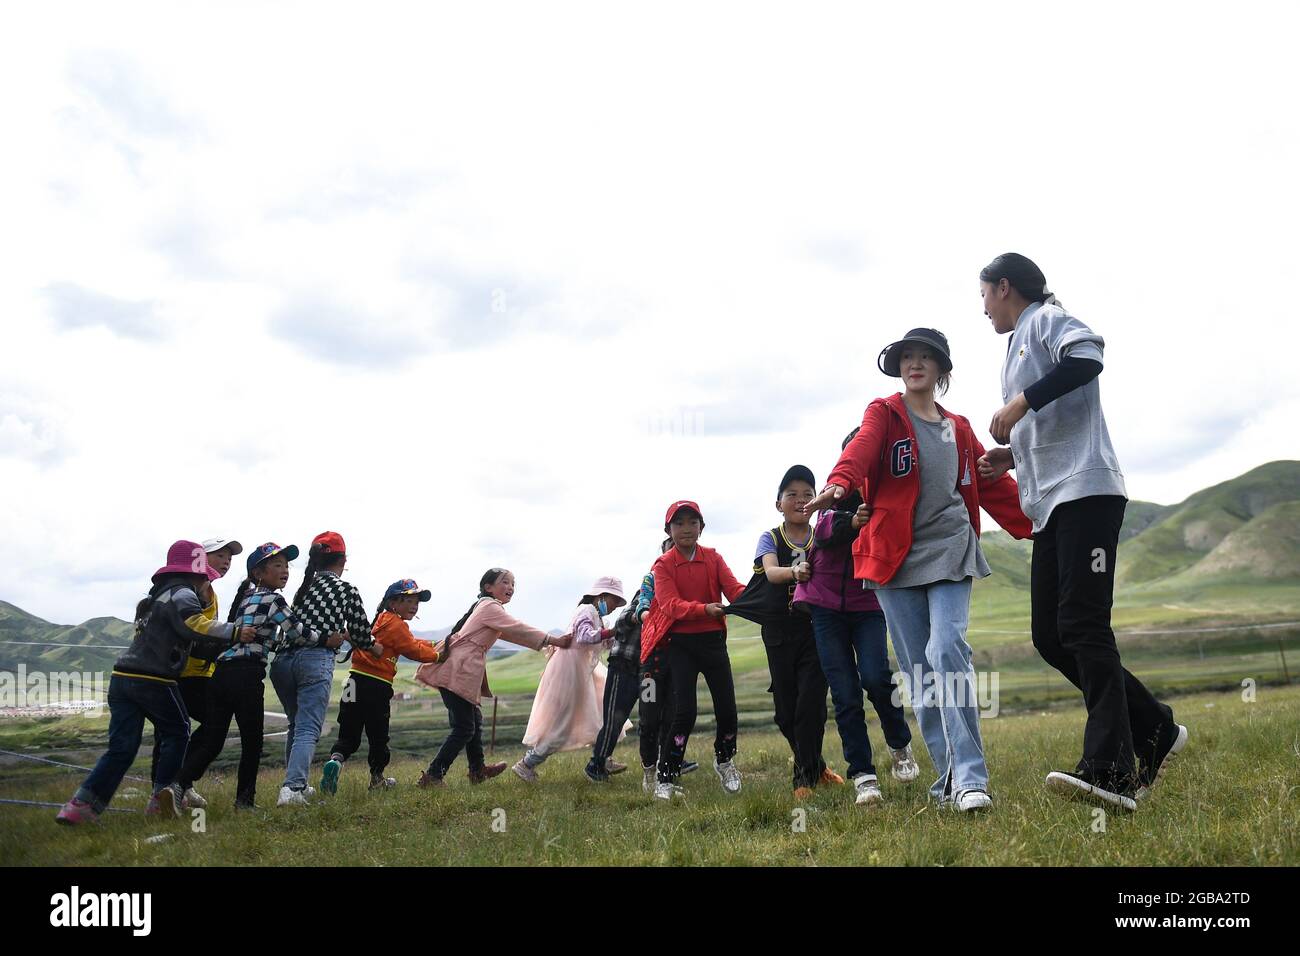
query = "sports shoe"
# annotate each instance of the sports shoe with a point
(969, 800)
(1083, 786)
(868, 788)
(1174, 747)
(292, 798)
(309, 791)
(803, 793)
(905, 768)
(191, 799)
(429, 780)
(596, 773)
(379, 782)
(729, 775)
(829, 777)
(648, 779)
(613, 766)
(329, 778)
(486, 772)
(666, 791)
(165, 803)
(76, 811)
(689, 766)
(525, 772)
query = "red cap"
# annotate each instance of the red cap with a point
(677, 506)
(331, 542)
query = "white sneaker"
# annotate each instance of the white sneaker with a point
(969, 800)
(309, 791)
(905, 768)
(728, 774)
(525, 772)
(291, 798)
(648, 778)
(193, 800)
(868, 788)
(666, 791)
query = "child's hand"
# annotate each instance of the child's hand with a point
(861, 516)
(247, 635)
(1006, 418)
(564, 640)
(828, 497)
(377, 649)
(995, 463)
(335, 640)
(802, 571)
(715, 610)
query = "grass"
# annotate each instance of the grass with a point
(1231, 799)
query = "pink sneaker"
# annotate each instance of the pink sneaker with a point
(76, 811)
(165, 803)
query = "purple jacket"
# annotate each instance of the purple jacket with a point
(832, 584)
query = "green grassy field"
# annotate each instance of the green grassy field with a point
(1232, 798)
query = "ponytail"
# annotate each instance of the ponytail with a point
(318, 558)
(245, 586)
(1023, 275)
(383, 606)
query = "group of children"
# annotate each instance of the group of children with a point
(895, 548)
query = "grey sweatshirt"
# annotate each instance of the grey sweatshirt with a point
(1062, 452)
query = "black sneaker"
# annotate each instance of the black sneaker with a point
(689, 766)
(1098, 788)
(1171, 743)
(596, 772)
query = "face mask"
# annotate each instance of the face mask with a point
(603, 607)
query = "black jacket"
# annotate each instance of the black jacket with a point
(172, 626)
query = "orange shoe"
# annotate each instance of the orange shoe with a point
(830, 776)
(803, 793)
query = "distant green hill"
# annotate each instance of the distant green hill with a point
(46, 653)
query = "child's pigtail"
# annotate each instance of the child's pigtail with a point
(315, 561)
(245, 586)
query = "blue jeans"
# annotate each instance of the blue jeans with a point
(855, 657)
(130, 701)
(302, 679)
(928, 625)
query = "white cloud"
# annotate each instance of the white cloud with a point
(493, 287)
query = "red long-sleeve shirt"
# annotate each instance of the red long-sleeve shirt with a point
(682, 590)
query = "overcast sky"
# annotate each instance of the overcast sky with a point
(493, 286)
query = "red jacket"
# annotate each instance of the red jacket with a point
(882, 460)
(682, 589)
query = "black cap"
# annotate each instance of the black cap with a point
(930, 338)
(796, 473)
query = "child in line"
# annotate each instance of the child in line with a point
(566, 712)
(920, 549)
(1074, 492)
(687, 615)
(169, 622)
(849, 629)
(460, 674)
(798, 685)
(303, 673)
(238, 684)
(368, 693)
(196, 679)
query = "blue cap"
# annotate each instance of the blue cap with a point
(270, 550)
(406, 586)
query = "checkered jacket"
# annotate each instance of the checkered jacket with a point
(277, 626)
(332, 604)
(626, 647)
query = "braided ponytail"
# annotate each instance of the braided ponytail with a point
(317, 558)
(245, 586)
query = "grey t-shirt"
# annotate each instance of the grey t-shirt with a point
(944, 545)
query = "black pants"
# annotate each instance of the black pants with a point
(237, 692)
(798, 696)
(365, 706)
(196, 692)
(689, 656)
(466, 734)
(622, 689)
(655, 707)
(1071, 590)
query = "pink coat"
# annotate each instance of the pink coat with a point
(464, 672)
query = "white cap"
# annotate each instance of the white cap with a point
(216, 544)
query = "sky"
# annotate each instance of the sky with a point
(490, 284)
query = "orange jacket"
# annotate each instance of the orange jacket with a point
(392, 632)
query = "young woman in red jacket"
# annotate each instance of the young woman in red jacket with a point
(916, 465)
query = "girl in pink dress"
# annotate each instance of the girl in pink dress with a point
(566, 711)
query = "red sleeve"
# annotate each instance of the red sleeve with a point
(672, 604)
(730, 586)
(855, 461)
(1001, 498)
